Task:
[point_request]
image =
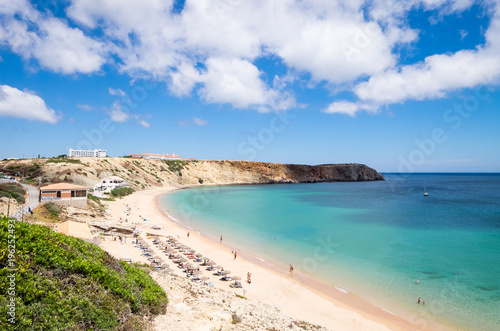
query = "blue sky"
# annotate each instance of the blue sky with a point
(397, 85)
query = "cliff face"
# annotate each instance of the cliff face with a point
(142, 174)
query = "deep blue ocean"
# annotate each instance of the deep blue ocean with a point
(374, 239)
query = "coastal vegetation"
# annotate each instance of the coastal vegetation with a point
(13, 191)
(63, 160)
(122, 191)
(65, 283)
(53, 209)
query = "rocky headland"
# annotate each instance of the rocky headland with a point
(145, 174)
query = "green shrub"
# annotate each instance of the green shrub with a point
(13, 191)
(52, 208)
(63, 160)
(122, 191)
(65, 283)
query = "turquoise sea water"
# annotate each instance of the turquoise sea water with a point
(375, 239)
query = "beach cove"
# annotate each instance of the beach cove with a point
(383, 241)
(297, 297)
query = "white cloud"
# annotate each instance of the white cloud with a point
(463, 34)
(236, 82)
(16, 103)
(117, 114)
(213, 48)
(118, 92)
(193, 121)
(85, 107)
(49, 40)
(435, 77)
(343, 107)
(200, 122)
(144, 124)
(67, 50)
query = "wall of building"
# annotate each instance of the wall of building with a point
(74, 202)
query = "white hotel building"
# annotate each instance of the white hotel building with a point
(87, 153)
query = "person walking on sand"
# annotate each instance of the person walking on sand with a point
(249, 278)
(235, 254)
(188, 234)
(220, 242)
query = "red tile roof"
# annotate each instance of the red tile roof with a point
(62, 186)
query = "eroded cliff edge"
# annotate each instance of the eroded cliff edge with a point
(142, 174)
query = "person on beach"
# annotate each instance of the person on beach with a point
(249, 278)
(220, 242)
(235, 254)
(291, 268)
(418, 300)
(188, 234)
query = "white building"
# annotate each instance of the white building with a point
(87, 153)
(108, 184)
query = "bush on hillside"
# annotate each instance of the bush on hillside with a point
(14, 192)
(65, 283)
(52, 208)
(122, 191)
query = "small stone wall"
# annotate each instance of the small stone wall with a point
(78, 203)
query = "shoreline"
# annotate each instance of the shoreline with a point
(300, 297)
(338, 296)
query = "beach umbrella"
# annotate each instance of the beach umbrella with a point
(218, 267)
(210, 263)
(198, 255)
(176, 260)
(182, 259)
(165, 266)
(226, 272)
(204, 278)
(236, 278)
(192, 267)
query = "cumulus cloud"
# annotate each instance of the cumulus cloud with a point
(49, 40)
(117, 114)
(435, 77)
(213, 48)
(25, 104)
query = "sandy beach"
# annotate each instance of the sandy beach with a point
(295, 295)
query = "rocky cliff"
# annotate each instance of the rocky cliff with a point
(142, 174)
